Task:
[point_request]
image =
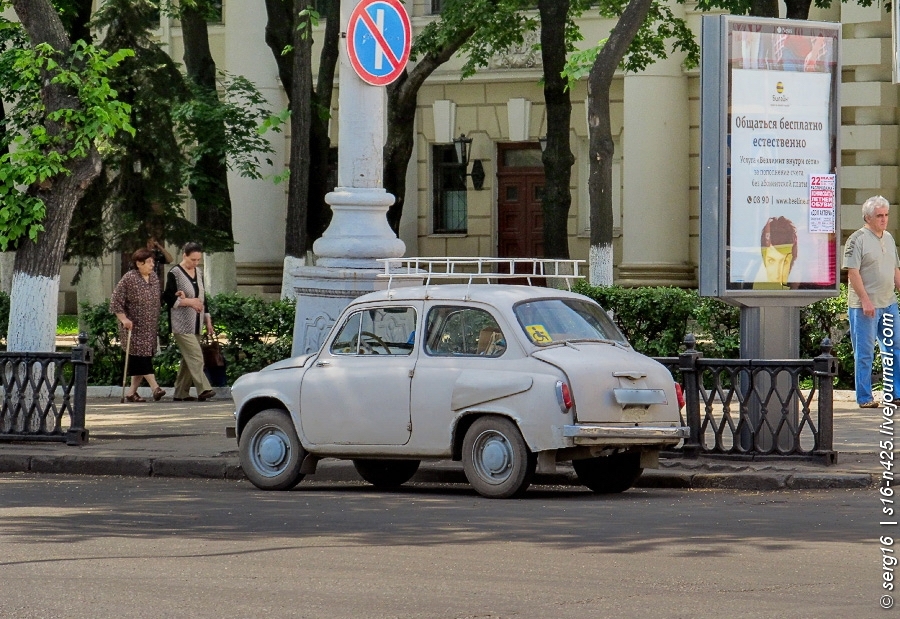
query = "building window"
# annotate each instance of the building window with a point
(436, 6)
(450, 199)
(215, 12)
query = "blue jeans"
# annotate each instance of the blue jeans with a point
(884, 328)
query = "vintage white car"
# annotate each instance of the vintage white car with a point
(509, 379)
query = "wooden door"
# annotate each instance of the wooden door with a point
(520, 218)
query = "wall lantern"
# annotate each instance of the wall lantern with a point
(543, 142)
(463, 146)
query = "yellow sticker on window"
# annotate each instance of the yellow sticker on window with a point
(538, 334)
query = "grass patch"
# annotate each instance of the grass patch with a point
(67, 324)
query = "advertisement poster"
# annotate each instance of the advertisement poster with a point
(781, 133)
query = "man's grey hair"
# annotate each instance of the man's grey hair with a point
(869, 206)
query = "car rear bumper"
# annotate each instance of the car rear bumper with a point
(592, 434)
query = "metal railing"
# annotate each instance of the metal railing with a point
(481, 269)
(44, 395)
(757, 408)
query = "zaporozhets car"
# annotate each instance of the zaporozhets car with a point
(506, 378)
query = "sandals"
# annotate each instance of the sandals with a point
(134, 397)
(872, 404)
(206, 395)
(158, 393)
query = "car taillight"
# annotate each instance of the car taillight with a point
(679, 395)
(564, 396)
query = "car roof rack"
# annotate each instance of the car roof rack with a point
(489, 270)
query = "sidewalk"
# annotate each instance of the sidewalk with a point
(187, 439)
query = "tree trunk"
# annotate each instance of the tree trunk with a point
(35, 288)
(796, 9)
(398, 145)
(601, 146)
(279, 34)
(279, 29)
(764, 8)
(402, 97)
(295, 239)
(558, 158)
(318, 213)
(211, 193)
(79, 30)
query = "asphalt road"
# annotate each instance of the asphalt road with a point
(95, 547)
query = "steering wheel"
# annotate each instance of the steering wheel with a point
(367, 346)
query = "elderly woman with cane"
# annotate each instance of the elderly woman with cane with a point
(136, 303)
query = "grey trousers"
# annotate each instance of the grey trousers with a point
(190, 372)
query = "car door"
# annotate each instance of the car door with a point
(463, 362)
(357, 391)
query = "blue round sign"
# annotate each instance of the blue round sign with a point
(378, 40)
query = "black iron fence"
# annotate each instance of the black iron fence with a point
(757, 408)
(44, 395)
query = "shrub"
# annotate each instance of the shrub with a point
(254, 333)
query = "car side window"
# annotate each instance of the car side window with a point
(463, 331)
(377, 331)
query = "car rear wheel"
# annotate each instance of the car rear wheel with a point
(386, 473)
(270, 451)
(496, 459)
(609, 474)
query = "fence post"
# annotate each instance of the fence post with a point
(825, 368)
(82, 357)
(690, 376)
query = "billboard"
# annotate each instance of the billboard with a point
(769, 146)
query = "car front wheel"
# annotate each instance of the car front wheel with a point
(270, 451)
(496, 460)
(609, 474)
(386, 473)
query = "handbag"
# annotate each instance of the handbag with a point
(212, 352)
(213, 361)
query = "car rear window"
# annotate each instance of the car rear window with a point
(549, 321)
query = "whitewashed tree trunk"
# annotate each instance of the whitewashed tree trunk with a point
(219, 273)
(32, 313)
(600, 265)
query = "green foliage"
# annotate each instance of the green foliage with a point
(637, 313)
(66, 324)
(254, 333)
(828, 318)
(42, 142)
(493, 26)
(242, 111)
(258, 332)
(660, 28)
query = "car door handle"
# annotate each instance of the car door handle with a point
(322, 364)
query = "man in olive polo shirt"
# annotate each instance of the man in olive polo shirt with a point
(873, 271)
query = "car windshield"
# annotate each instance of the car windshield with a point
(551, 321)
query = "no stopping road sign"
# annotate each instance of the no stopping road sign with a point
(378, 40)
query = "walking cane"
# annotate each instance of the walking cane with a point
(125, 373)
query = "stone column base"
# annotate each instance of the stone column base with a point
(680, 275)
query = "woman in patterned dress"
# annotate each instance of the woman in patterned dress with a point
(136, 303)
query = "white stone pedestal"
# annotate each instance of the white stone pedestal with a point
(322, 293)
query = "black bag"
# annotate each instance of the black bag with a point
(213, 361)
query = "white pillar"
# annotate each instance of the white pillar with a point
(359, 232)
(259, 206)
(656, 178)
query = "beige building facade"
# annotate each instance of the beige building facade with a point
(656, 171)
